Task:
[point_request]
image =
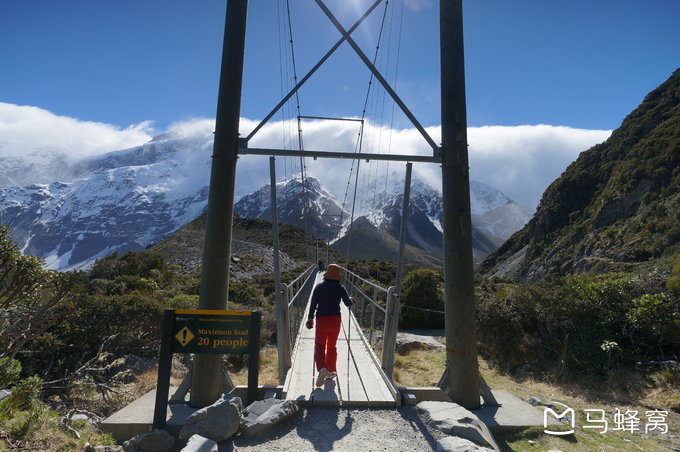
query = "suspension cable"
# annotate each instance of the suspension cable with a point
(303, 176)
(358, 147)
(396, 78)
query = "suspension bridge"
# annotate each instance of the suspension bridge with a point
(367, 342)
(373, 375)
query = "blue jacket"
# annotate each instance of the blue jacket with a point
(326, 298)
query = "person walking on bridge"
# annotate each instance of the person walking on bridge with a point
(326, 306)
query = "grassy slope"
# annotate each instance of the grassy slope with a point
(622, 391)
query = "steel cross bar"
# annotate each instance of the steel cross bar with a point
(332, 119)
(311, 71)
(339, 155)
(379, 76)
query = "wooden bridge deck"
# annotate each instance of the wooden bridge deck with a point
(360, 380)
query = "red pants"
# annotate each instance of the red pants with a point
(325, 353)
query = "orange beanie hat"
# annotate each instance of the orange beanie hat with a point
(333, 272)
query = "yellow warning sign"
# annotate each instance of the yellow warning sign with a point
(184, 336)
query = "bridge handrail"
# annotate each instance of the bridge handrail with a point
(366, 296)
(301, 276)
(297, 305)
(365, 281)
(295, 293)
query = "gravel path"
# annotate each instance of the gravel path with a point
(336, 429)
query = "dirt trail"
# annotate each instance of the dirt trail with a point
(338, 429)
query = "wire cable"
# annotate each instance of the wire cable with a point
(358, 147)
(303, 176)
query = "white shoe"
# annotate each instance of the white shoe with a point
(331, 375)
(323, 373)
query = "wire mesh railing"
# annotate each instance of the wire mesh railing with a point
(297, 295)
(370, 302)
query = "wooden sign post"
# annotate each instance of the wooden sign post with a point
(206, 331)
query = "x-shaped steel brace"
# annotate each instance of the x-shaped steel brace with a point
(346, 37)
(310, 73)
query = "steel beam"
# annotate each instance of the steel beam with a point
(217, 246)
(339, 155)
(461, 341)
(331, 119)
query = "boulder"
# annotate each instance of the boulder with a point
(156, 441)
(456, 444)
(4, 393)
(264, 414)
(453, 419)
(217, 422)
(535, 401)
(198, 443)
(407, 342)
(80, 417)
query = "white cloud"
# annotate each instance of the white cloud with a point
(192, 128)
(521, 161)
(32, 125)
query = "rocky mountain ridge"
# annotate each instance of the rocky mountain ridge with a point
(616, 206)
(378, 222)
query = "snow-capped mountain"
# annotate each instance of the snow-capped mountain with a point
(124, 200)
(495, 217)
(495, 213)
(293, 199)
(132, 198)
(24, 164)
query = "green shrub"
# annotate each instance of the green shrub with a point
(25, 397)
(422, 300)
(139, 264)
(500, 330)
(183, 301)
(578, 324)
(245, 292)
(654, 319)
(10, 369)
(673, 282)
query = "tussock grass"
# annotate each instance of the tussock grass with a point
(419, 368)
(269, 370)
(624, 390)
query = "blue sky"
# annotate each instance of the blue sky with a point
(582, 64)
(546, 80)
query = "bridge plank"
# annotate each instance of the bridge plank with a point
(367, 386)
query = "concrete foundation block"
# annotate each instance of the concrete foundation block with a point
(409, 399)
